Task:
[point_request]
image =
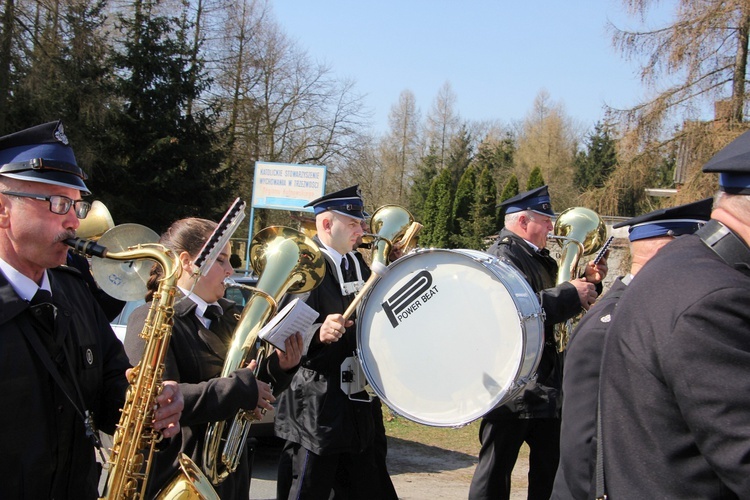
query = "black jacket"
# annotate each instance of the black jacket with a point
(576, 472)
(44, 452)
(195, 359)
(542, 397)
(675, 384)
(314, 411)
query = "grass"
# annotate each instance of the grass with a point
(464, 439)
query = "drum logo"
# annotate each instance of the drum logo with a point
(409, 298)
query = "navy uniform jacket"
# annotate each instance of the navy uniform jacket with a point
(44, 452)
(675, 383)
(314, 412)
(541, 398)
(575, 474)
(195, 359)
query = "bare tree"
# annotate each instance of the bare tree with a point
(400, 149)
(443, 122)
(548, 139)
(702, 55)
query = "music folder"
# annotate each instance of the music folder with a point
(295, 317)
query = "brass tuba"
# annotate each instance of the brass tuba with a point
(287, 262)
(97, 222)
(392, 226)
(579, 231)
(134, 441)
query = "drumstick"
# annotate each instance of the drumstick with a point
(378, 270)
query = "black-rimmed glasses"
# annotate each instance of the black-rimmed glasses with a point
(58, 204)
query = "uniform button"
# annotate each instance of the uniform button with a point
(60, 409)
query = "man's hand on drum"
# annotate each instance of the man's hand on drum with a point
(595, 273)
(333, 328)
(586, 292)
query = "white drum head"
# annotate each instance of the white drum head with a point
(441, 339)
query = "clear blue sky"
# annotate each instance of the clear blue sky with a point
(496, 54)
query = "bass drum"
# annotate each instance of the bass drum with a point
(445, 336)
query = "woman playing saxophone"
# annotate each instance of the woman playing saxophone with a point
(200, 339)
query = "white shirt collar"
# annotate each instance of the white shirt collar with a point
(201, 306)
(334, 254)
(24, 286)
(533, 246)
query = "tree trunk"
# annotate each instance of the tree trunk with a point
(6, 42)
(740, 66)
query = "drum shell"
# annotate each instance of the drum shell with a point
(445, 336)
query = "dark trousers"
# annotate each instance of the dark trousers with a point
(304, 475)
(501, 440)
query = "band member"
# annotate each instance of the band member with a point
(534, 415)
(62, 370)
(204, 322)
(647, 235)
(329, 435)
(675, 395)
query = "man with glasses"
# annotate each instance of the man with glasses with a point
(62, 370)
(533, 416)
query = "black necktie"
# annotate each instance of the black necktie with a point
(213, 312)
(43, 309)
(343, 267)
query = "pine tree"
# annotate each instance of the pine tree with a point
(463, 210)
(484, 216)
(427, 172)
(438, 210)
(535, 179)
(510, 190)
(593, 166)
(159, 155)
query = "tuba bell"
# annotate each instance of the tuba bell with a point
(287, 262)
(580, 231)
(97, 222)
(392, 226)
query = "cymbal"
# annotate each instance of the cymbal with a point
(124, 279)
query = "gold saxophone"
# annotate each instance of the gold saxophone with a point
(287, 262)
(135, 439)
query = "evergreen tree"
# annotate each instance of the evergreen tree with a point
(427, 172)
(484, 216)
(535, 179)
(593, 166)
(510, 190)
(463, 210)
(160, 157)
(459, 155)
(438, 210)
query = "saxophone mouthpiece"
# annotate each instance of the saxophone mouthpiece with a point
(87, 247)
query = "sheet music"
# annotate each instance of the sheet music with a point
(295, 317)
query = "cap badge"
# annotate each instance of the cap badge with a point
(60, 135)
